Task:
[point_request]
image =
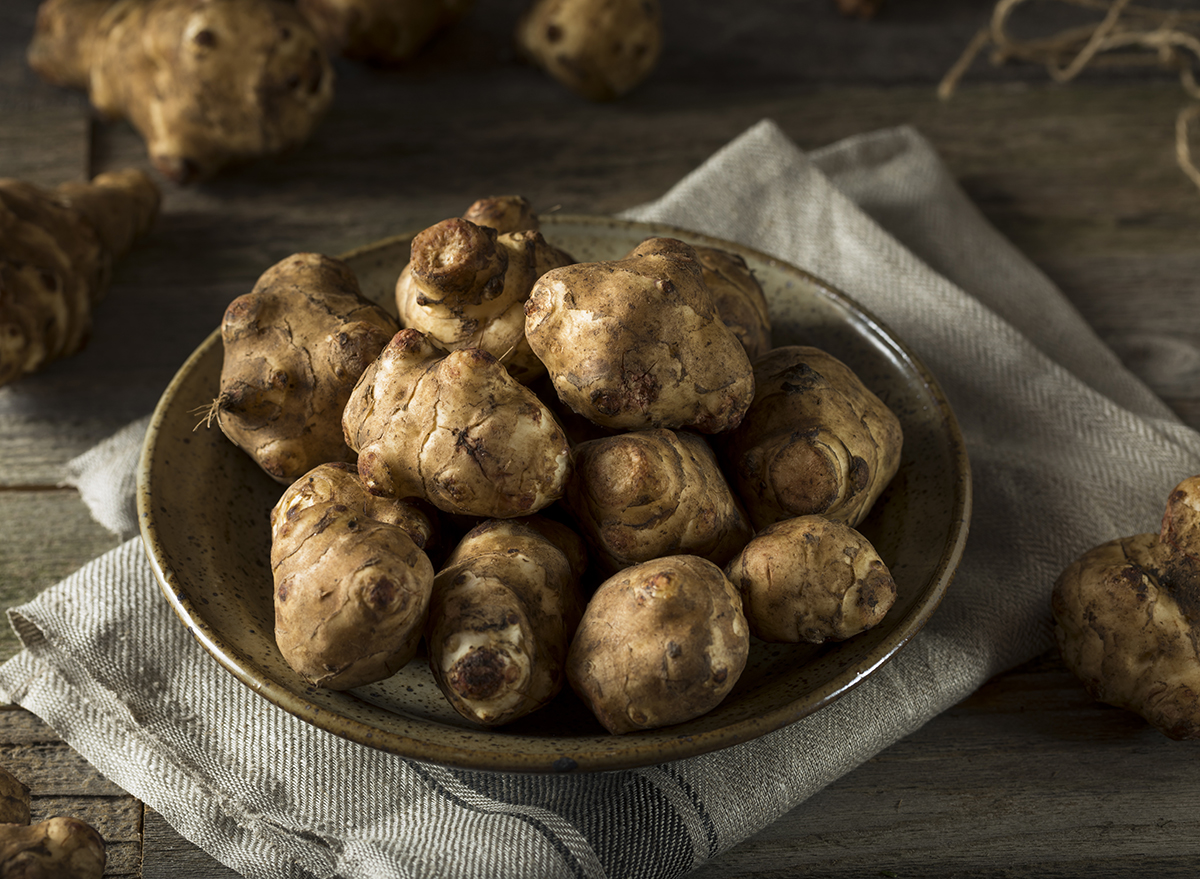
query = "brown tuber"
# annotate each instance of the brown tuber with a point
(380, 31)
(504, 608)
(466, 285)
(738, 297)
(811, 579)
(294, 347)
(660, 643)
(600, 49)
(455, 429)
(352, 579)
(57, 848)
(57, 249)
(815, 441)
(1127, 617)
(645, 494)
(206, 83)
(637, 343)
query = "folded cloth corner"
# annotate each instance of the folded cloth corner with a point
(1068, 450)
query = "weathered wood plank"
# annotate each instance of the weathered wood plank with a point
(169, 856)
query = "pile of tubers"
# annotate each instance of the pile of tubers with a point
(550, 472)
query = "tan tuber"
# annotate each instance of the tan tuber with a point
(811, 579)
(637, 343)
(660, 643)
(466, 285)
(352, 579)
(57, 249)
(645, 494)
(504, 608)
(57, 848)
(294, 347)
(738, 297)
(455, 429)
(600, 49)
(815, 441)
(1126, 618)
(206, 83)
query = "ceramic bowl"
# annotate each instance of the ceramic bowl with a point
(204, 509)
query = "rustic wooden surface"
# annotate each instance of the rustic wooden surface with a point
(1028, 777)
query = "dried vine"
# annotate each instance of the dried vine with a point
(1126, 34)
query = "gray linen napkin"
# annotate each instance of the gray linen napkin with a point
(1068, 450)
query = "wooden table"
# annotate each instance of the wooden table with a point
(1028, 777)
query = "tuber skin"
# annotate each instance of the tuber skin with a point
(466, 285)
(504, 608)
(57, 250)
(504, 213)
(455, 429)
(352, 579)
(57, 848)
(815, 441)
(661, 642)
(738, 297)
(1126, 614)
(206, 83)
(811, 580)
(600, 49)
(383, 32)
(645, 494)
(637, 343)
(293, 348)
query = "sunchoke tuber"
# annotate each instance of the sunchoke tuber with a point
(57, 249)
(58, 848)
(504, 608)
(815, 440)
(1126, 615)
(738, 297)
(466, 286)
(455, 429)
(207, 83)
(380, 31)
(661, 642)
(504, 213)
(811, 579)
(645, 494)
(637, 343)
(600, 49)
(294, 347)
(352, 579)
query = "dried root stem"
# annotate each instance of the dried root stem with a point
(1126, 34)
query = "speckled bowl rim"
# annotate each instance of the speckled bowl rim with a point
(609, 752)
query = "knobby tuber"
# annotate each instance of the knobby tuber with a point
(382, 32)
(738, 297)
(57, 249)
(504, 213)
(466, 285)
(637, 343)
(816, 440)
(206, 83)
(811, 579)
(352, 580)
(642, 495)
(455, 429)
(600, 49)
(660, 643)
(58, 848)
(294, 347)
(1126, 618)
(504, 608)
